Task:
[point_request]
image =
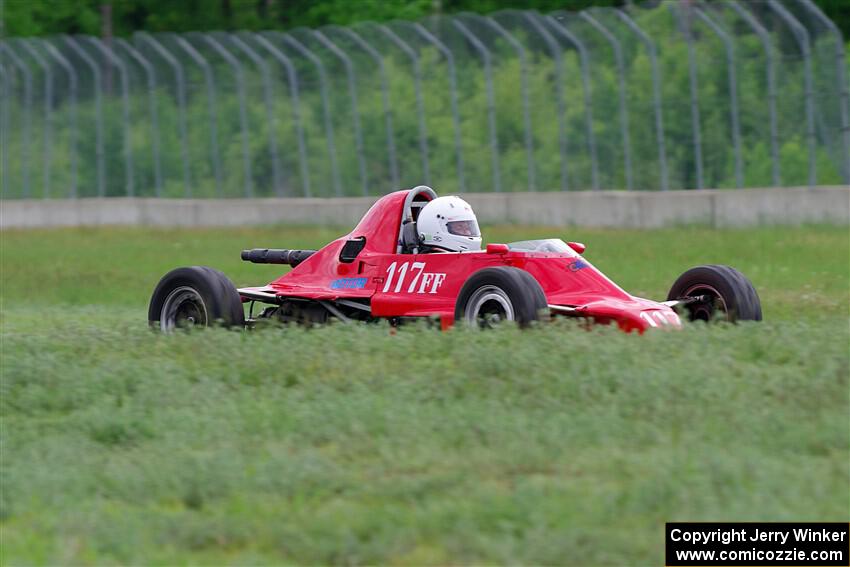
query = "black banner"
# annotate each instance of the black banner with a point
(693, 544)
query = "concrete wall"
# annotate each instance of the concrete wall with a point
(721, 208)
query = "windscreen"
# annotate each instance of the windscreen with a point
(545, 245)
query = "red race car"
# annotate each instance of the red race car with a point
(416, 255)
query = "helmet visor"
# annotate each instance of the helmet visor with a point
(463, 228)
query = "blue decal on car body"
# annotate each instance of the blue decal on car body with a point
(576, 265)
(349, 283)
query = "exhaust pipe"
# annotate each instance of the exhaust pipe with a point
(276, 256)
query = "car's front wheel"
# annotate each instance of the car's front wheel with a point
(196, 296)
(716, 293)
(495, 295)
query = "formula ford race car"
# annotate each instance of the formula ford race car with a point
(383, 270)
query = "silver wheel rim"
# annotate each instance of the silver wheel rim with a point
(488, 306)
(703, 311)
(183, 308)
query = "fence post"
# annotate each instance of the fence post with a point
(733, 91)
(841, 77)
(48, 113)
(152, 109)
(624, 116)
(621, 82)
(417, 78)
(125, 96)
(239, 77)
(212, 103)
(179, 78)
(491, 101)
(802, 37)
(355, 112)
(555, 51)
(4, 131)
(385, 97)
(526, 107)
(72, 108)
(452, 73)
(588, 97)
(25, 71)
(323, 85)
(656, 93)
(764, 37)
(692, 76)
(101, 162)
(292, 78)
(268, 96)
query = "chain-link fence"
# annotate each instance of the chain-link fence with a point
(682, 95)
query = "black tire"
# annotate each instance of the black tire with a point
(728, 294)
(502, 293)
(195, 296)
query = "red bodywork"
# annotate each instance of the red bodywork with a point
(427, 285)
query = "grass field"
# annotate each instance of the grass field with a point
(352, 445)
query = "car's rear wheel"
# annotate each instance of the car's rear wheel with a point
(196, 296)
(716, 293)
(501, 294)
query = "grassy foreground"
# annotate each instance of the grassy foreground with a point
(358, 445)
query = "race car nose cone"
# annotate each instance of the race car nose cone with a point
(661, 319)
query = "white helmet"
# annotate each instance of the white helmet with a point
(450, 224)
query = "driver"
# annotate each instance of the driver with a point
(447, 224)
